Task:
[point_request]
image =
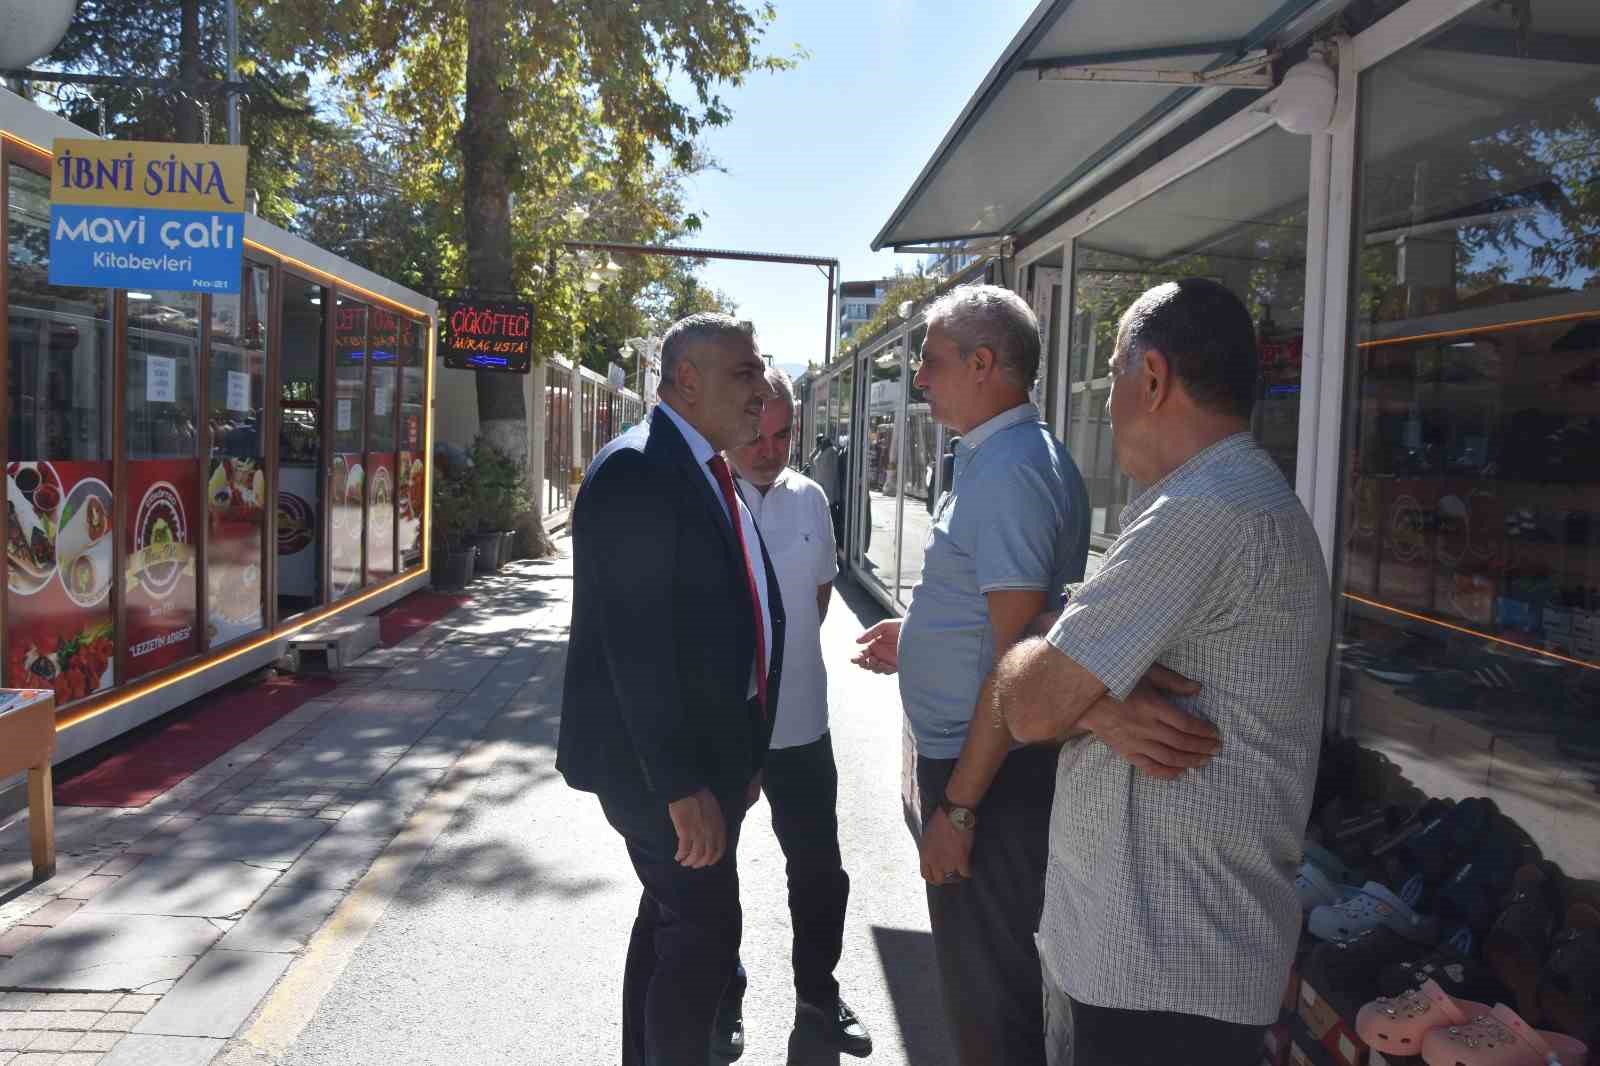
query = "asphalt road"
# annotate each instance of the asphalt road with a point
(506, 943)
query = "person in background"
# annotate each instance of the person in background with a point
(1170, 916)
(825, 468)
(801, 779)
(1009, 534)
(658, 718)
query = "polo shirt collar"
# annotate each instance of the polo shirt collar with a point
(699, 447)
(1222, 449)
(1023, 412)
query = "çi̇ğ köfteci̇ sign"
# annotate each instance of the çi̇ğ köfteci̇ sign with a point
(147, 215)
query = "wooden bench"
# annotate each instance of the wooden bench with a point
(27, 742)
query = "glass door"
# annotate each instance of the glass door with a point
(348, 473)
(301, 400)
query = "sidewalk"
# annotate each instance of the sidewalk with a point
(166, 926)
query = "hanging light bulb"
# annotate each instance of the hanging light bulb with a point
(611, 265)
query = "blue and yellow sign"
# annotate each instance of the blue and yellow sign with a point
(147, 215)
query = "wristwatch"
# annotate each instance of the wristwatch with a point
(963, 818)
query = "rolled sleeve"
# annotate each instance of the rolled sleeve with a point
(1157, 582)
(1015, 544)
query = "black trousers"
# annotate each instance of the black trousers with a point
(1081, 1035)
(685, 939)
(983, 927)
(802, 787)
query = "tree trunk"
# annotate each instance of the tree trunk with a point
(487, 155)
(189, 126)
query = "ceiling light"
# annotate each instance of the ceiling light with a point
(140, 296)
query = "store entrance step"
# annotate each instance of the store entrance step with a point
(329, 648)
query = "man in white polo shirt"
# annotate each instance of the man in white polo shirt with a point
(801, 780)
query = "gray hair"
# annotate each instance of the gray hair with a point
(988, 316)
(782, 388)
(703, 327)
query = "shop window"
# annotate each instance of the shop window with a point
(161, 435)
(236, 480)
(921, 481)
(883, 375)
(411, 481)
(59, 544)
(301, 516)
(1239, 220)
(383, 414)
(1469, 555)
(348, 481)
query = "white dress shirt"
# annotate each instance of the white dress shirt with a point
(794, 520)
(702, 451)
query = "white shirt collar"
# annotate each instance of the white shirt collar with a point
(699, 447)
(974, 438)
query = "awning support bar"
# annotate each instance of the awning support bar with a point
(1248, 74)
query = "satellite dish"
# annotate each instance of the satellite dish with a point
(31, 29)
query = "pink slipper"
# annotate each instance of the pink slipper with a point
(1501, 1038)
(1396, 1026)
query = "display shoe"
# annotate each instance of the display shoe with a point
(1520, 941)
(1452, 966)
(1373, 906)
(1316, 889)
(1501, 1038)
(1569, 987)
(1396, 1026)
(1447, 841)
(1476, 894)
(1346, 973)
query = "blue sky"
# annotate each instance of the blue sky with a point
(817, 157)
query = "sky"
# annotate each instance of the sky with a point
(816, 158)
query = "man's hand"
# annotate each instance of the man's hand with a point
(702, 834)
(946, 851)
(1149, 732)
(882, 652)
(753, 793)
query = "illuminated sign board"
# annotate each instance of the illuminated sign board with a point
(485, 335)
(147, 215)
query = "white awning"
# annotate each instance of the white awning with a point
(1022, 139)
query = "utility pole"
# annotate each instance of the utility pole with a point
(233, 71)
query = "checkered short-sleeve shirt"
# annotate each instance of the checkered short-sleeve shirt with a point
(1179, 896)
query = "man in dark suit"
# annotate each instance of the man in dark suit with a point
(672, 675)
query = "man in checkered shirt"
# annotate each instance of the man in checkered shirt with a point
(1170, 916)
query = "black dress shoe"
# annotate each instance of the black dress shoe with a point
(727, 1039)
(839, 1024)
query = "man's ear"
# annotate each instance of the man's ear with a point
(982, 360)
(1156, 379)
(686, 382)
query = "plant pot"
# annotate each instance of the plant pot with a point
(508, 547)
(452, 570)
(488, 545)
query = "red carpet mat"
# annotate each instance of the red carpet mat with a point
(153, 758)
(417, 611)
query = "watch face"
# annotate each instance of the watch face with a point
(962, 818)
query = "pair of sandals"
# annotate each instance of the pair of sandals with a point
(1339, 911)
(1446, 1031)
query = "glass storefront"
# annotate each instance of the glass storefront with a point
(301, 515)
(411, 481)
(347, 483)
(883, 372)
(1240, 220)
(1469, 553)
(919, 482)
(383, 346)
(60, 546)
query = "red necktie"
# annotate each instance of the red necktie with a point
(719, 467)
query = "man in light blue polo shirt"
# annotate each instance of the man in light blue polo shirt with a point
(1006, 539)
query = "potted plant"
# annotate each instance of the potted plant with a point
(453, 556)
(501, 495)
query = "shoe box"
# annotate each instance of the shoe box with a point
(1335, 1036)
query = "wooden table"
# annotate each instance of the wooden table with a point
(27, 742)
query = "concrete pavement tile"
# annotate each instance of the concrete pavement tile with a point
(79, 1058)
(226, 836)
(282, 920)
(13, 940)
(333, 764)
(7, 1057)
(335, 862)
(52, 1041)
(121, 864)
(388, 808)
(216, 997)
(37, 1058)
(447, 671)
(110, 952)
(137, 1050)
(117, 1023)
(136, 1003)
(80, 1020)
(95, 1001)
(199, 887)
(11, 1019)
(17, 1039)
(21, 1000)
(89, 887)
(54, 913)
(97, 1042)
(390, 700)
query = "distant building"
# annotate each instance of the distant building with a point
(951, 258)
(858, 300)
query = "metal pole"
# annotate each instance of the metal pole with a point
(828, 326)
(233, 70)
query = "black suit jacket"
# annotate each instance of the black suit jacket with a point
(656, 701)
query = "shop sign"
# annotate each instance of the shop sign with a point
(484, 335)
(147, 215)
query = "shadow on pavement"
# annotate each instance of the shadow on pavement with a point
(910, 970)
